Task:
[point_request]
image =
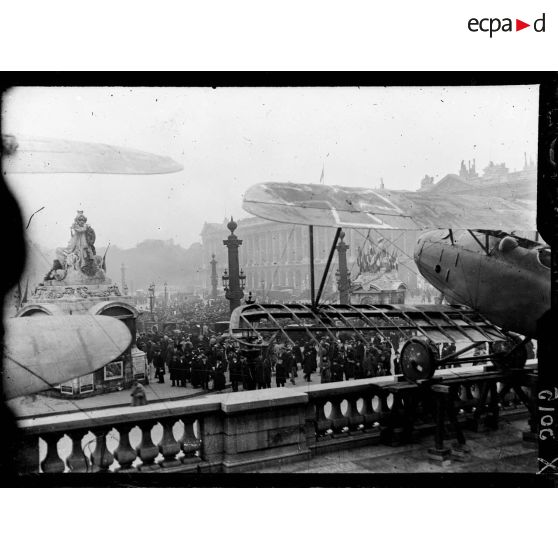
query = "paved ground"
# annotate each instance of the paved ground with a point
(44, 405)
(38, 405)
(501, 451)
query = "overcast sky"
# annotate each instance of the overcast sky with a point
(230, 138)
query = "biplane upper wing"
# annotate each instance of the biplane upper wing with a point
(337, 206)
(42, 155)
(43, 351)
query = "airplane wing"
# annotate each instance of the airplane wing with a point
(337, 206)
(42, 155)
(41, 352)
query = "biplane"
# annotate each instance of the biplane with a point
(43, 351)
(499, 283)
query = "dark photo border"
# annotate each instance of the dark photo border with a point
(547, 221)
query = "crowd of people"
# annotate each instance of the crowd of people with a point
(190, 312)
(209, 361)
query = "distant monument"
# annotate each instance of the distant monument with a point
(77, 284)
(378, 279)
(78, 262)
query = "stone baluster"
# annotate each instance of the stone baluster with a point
(168, 446)
(101, 458)
(383, 409)
(338, 419)
(354, 417)
(147, 451)
(125, 454)
(189, 443)
(77, 460)
(323, 423)
(368, 415)
(52, 462)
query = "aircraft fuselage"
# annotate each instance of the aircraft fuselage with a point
(504, 277)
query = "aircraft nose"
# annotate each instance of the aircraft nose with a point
(427, 254)
(424, 239)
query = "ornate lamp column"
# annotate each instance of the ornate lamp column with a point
(123, 279)
(165, 298)
(343, 275)
(232, 279)
(151, 291)
(213, 264)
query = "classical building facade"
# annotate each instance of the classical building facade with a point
(275, 256)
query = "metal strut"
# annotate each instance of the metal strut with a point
(326, 270)
(483, 246)
(312, 286)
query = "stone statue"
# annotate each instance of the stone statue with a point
(78, 260)
(426, 181)
(82, 245)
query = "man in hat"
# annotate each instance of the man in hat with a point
(235, 370)
(159, 363)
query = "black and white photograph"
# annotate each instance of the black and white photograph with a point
(301, 280)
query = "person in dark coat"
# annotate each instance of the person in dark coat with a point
(159, 363)
(235, 371)
(150, 353)
(288, 364)
(267, 371)
(219, 380)
(337, 363)
(248, 373)
(349, 363)
(325, 368)
(196, 371)
(181, 371)
(373, 359)
(281, 369)
(174, 364)
(188, 360)
(309, 362)
(205, 370)
(360, 351)
(259, 372)
(297, 358)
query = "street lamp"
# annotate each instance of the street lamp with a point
(225, 280)
(213, 264)
(151, 291)
(343, 275)
(235, 279)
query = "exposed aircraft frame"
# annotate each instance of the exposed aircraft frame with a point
(423, 327)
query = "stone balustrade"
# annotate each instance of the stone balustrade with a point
(245, 431)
